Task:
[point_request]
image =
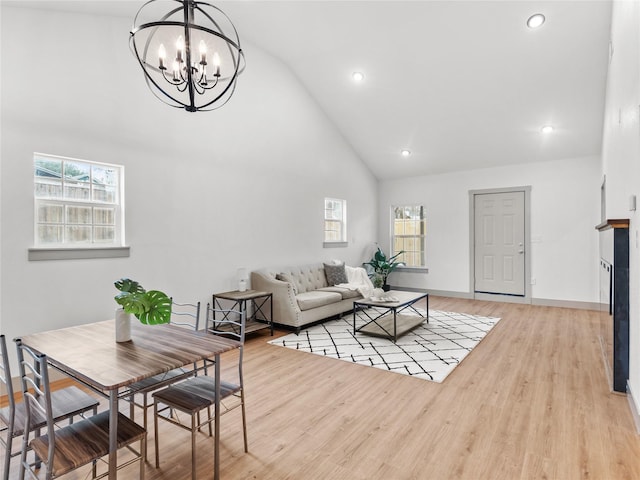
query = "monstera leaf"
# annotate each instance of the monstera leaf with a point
(129, 286)
(152, 307)
(159, 308)
(135, 303)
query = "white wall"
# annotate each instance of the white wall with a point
(621, 154)
(206, 193)
(564, 212)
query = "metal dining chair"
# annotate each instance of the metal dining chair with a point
(66, 403)
(198, 393)
(62, 450)
(185, 315)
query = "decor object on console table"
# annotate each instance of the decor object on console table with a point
(382, 267)
(256, 317)
(242, 279)
(200, 74)
(151, 307)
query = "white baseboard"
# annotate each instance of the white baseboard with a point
(436, 293)
(545, 302)
(633, 406)
(446, 293)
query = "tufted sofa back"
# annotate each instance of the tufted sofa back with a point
(307, 277)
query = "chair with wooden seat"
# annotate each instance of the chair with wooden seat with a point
(196, 394)
(185, 315)
(67, 403)
(62, 450)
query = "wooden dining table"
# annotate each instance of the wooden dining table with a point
(90, 354)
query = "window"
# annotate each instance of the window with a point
(408, 234)
(78, 204)
(335, 221)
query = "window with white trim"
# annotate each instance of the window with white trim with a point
(335, 221)
(78, 203)
(408, 231)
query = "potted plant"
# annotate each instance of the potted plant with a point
(151, 307)
(382, 267)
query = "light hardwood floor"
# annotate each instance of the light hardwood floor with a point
(531, 401)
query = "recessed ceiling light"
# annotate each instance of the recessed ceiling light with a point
(357, 76)
(405, 152)
(535, 20)
(546, 129)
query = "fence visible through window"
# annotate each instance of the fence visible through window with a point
(77, 202)
(408, 234)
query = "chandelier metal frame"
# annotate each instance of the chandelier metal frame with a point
(189, 84)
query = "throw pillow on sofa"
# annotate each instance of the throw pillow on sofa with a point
(336, 274)
(284, 277)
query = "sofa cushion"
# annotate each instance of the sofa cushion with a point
(336, 274)
(344, 292)
(285, 277)
(316, 298)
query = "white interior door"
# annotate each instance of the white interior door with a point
(499, 243)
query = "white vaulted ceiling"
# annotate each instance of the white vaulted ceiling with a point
(461, 84)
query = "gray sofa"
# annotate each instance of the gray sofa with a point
(302, 295)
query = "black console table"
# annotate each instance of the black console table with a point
(614, 298)
(257, 316)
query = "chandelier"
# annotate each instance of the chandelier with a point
(189, 52)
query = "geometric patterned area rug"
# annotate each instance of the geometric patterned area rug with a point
(430, 351)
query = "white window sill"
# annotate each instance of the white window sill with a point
(66, 253)
(412, 269)
(335, 244)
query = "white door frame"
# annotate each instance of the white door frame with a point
(527, 246)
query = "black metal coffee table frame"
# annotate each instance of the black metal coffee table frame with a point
(387, 320)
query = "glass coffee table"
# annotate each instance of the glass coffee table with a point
(388, 315)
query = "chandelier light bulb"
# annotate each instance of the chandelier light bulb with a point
(203, 51)
(405, 152)
(162, 55)
(216, 63)
(179, 48)
(176, 71)
(547, 129)
(358, 76)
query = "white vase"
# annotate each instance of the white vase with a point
(123, 325)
